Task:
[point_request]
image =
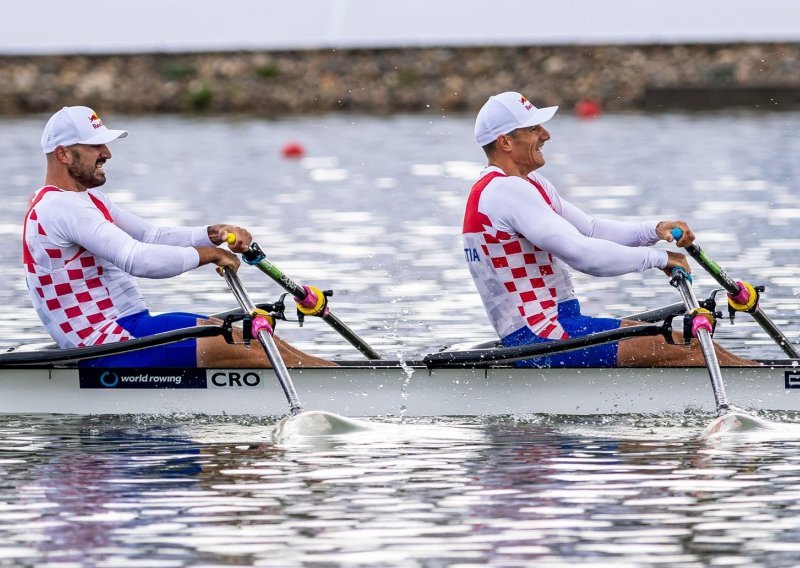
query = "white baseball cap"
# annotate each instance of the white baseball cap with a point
(506, 112)
(77, 125)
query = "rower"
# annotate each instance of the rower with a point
(521, 237)
(82, 253)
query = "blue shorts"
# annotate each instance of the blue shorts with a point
(141, 324)
(576, 325)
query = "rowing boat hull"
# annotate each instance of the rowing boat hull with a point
(362, 390)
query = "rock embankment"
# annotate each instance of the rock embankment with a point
(406, 80)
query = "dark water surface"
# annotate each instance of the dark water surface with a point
(503, 491)
(374, 211)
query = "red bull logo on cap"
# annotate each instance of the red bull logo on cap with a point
(95, 120)
(528, 105)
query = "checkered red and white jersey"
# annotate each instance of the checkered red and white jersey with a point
(79, 252)
(520, 238)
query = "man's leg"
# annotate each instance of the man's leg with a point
(142, 324)
(655, 352)
(216, 352)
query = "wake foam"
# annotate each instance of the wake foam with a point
(316, 423)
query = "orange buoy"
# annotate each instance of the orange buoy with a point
(587, 108)
(293, 150)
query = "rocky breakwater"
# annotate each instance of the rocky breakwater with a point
(406, 80)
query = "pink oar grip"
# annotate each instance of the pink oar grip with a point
(310, 300)
(261, 323)
(743, 296)
(701, 322)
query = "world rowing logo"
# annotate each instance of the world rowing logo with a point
(528, 105)
(136, 378)
(109, 379)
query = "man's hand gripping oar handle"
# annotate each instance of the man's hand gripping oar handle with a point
(310, 300)
(262, 329)
(741, 296)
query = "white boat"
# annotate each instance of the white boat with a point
(474, 382)
(369, 388)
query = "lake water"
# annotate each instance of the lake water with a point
(374, 212)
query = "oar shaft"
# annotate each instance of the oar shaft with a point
(731, 286)
(775, 333)
(351, 337)
(75, 354)
(281, 279)
(328, 317)
(502, 355)
(706, 345)
(268, 344)
(714, 269)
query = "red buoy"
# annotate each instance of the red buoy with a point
(293, 150)
(587, 108)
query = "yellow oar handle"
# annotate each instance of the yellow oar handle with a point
(230, 238)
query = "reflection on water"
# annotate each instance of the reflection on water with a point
(544, 491)
(375, 211)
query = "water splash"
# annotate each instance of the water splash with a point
(315, 423)
(408, 372)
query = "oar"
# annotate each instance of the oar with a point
(311, 301)
(702, 327)
(741, 296)
(75, 354)
(502, 355)
(263, 331)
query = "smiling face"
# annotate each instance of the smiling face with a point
(526, 147)
(86, 164)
